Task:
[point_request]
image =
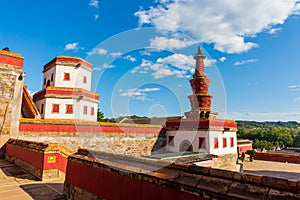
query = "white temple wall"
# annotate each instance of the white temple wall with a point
(208, 145)
(78, 109)
(76, 77)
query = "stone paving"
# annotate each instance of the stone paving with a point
(16, 184)
(273, 169)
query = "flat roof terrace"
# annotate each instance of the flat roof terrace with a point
(16, 183)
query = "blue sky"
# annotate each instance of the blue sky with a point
(142, 51)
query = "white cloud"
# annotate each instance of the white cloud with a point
(274, 30)
(145, 52)
(142, 98)
(159, 70)
(116, 54)
(294, 87)
(244, 62)
(149, 90)
(180, 61)
(96, 16)
(169, 43)
(104, 66)
(108, 66)
(272, 116)
(222, 59)
(94, 3)
(228, 24)
(178, 65)
(297, 99)
(138, 94)
(72, 46)
(130, 58)
(97, 51)
(209, 62)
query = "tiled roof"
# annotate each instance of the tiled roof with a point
(11, 54)
(29, 105)
(68, 60)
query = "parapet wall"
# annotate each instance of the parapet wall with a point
(94, 175)
(109, 176)
(280, 157)
(133, 139)
(44, 161)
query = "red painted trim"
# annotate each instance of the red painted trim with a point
(5, 59)
(65, 93)
(33, 158)
(67, 60)
(111, 185)
(80, 128)
(201, 123)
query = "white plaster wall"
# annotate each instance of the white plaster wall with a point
(79, 83)
(77, 109)
(193, 138)
(80, 108)
(76, 77)
(47, 75)
(221, 150)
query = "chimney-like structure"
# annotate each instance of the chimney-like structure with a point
(200, 100)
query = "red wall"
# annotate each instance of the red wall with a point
(11, 60)
(278, 157)
(243, 149)
(33, 158)
(62, 163)
(111, 185)
(84, 128)
(37, 159)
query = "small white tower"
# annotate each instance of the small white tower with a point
(66, 91)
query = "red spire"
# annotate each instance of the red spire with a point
(199, 57)
(200, 99)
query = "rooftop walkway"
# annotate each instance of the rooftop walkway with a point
(18, 184)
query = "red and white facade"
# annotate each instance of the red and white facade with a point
(66, 91)
(201, 131)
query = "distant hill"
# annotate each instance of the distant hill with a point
(141, 120)
(255, 124)
(244, 124)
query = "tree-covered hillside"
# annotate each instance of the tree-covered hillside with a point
(255, 124)
(270, 134)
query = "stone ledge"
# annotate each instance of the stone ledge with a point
(190, 178)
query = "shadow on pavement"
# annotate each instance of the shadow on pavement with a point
(40, 191)
(278, 174)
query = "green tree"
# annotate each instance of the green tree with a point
(271, 135)
(100, 116)
(263, 144)
(251, 153)
(296, 142)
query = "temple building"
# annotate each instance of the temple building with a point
(66, 91)
(200, 131)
